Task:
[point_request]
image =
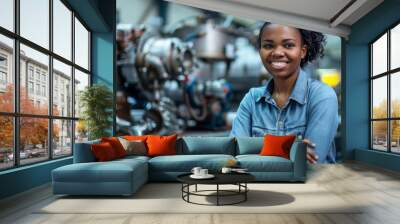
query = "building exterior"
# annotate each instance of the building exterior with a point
(34, 79)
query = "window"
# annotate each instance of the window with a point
(3, 78)
(7, 14)
(54, 126)
(37, 75)
(7, 89)
(34, 21)
(62, 29)
(81, 45)
(62, 140)
(30, 88)
(3, 61)
(38, 89)
(385, 96)
(43, 90)
(30, 72)
(62, 74)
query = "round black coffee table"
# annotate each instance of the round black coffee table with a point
(238, 179)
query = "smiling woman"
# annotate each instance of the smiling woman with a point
(291, 103)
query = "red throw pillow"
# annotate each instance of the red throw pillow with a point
(277, 145)
(116, 145)
(103, 151)
(161, 145)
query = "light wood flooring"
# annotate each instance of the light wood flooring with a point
(378, 188)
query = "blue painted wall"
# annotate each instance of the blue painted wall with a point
(356, 94)
(24, 178)
(99, 16)
(103, 52)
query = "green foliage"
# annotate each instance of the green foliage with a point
(96, 102)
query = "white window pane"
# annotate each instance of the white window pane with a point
(379, 97)
(395, 136)
(34, 144)
(39, 61)
(62, 89)
(6, 74)
(35, 21)
(379, 56)
(7, 14)
(6, 142)
(81, 81)
(62, 29)
(395, 94)
(395, 47)
(379, 135)
(81, 45)
(62, 138)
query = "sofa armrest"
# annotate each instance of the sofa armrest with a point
(83, 152)
(298, 157)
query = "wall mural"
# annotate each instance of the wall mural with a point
(182, 69)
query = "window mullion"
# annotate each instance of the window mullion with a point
(371, 92)
(16, 84)
(50, 81)
(73, 82)
(389, 108)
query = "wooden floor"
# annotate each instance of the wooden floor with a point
(378, 188)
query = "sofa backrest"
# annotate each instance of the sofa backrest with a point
(249, 145)
(206, 145)
(83, 152)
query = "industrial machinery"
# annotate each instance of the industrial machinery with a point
(178, 78)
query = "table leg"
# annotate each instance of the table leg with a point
(196, 188)
(217, 194)
(245, 191)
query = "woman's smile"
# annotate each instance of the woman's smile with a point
(278, 65)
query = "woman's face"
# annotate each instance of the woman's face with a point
(281, 50)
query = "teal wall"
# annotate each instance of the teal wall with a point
(24, 178)
(356, 90)
(99, 16)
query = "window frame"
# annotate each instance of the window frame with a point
(16, 114)
(388, 74)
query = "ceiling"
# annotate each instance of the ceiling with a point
(327, 16)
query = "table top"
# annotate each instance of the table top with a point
(220, 178)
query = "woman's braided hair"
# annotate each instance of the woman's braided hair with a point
(314, 40)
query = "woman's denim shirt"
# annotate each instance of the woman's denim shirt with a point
(311, 111)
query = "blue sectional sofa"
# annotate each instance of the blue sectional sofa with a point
(125, 176)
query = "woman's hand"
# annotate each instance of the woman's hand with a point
(311, 155)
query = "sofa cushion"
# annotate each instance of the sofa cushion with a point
(206, 145)
(185, 163)
(116, 145)
(135, 137)
(257, 163)
(134, 147)
(111, 171)
(161, 145)
(103, 152)
(277, 145)
(249, 145)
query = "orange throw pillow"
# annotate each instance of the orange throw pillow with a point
(277, 145)
(116, 145)
(161, 145)
(135, 137)
(103, 151)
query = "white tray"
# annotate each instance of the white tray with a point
(208, 176)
